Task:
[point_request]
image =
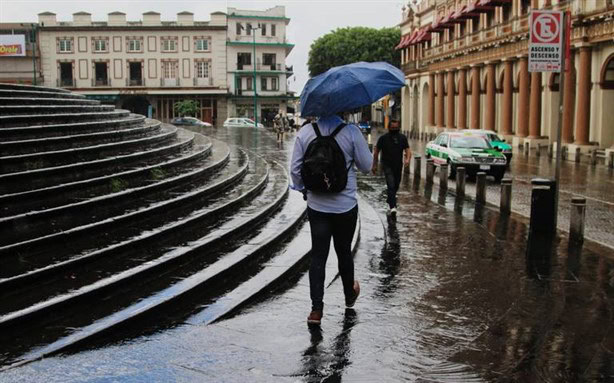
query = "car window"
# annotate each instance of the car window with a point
(443, 139)
(469, 142)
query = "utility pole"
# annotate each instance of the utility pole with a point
(255, 87)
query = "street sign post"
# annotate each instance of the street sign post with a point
(546, 41)
(549, 33)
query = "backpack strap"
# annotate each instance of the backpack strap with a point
(316, 129)
(337, 129)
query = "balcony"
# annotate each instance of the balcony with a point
(203, 81)
(409, 67)
(66, 83)
(101, 82)
(135, 82)
(169, 82)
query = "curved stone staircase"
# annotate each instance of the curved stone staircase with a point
(110, 221)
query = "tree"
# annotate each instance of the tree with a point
(186, 108)
(351, 44)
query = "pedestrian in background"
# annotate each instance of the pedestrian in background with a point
(331, 214)
(395, 153)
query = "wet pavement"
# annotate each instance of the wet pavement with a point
(448, 294)
(577, 179)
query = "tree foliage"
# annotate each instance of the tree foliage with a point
(186, 108)
(351, 44)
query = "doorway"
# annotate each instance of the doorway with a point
(66, 78)
(136, 74)
(100, 74)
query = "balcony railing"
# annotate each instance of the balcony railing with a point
(203, 81)
(167, 82)
(135, 82)
(66, 83)
(408, 67)
(101, 82)
(259, 66)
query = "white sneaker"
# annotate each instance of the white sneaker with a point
(393, 210)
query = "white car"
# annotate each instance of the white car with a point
(189, 121)
(238, 122)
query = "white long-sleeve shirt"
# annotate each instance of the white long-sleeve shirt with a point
(354, 147)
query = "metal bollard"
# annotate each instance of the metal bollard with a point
(506, 196)
(578, 154)
(417, 168)
(550, 150)
(542, 207)
(527, 148)
(460, 181)
(538, 150)
(594, 157)
(430, 171)
(576, 219)
(443, 176)
(480, 187)
(563, 152)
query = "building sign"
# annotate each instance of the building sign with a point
(546, 41)
(12, 45)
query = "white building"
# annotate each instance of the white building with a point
(145, 66)
(258, 37)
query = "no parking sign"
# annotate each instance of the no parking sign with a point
(546, 41)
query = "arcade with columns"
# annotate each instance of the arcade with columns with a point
(466, 66)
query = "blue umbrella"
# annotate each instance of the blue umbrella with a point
(349, 86)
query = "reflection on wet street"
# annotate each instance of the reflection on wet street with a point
(449, 293)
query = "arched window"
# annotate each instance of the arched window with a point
(607, 74)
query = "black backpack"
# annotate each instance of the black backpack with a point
(323, 169)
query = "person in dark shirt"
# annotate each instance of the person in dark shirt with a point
(392, 145)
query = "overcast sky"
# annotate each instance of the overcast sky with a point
(309, 19)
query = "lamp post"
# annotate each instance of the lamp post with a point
(255, 87)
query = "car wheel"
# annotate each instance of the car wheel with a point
(499, 175)
(452, 168)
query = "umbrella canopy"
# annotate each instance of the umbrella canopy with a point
(349, 86)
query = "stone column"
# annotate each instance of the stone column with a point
(431, 114)
(569, 99)
(508, 84)
(462, 98)
(451, 109)
(523, 98)
(475, 98)
(490, 96)
(440, 91)
(584, 97)
(535, 107)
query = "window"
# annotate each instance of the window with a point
(607, 74)
(269, 59)
(168, 69)
(269, 83)
(169, 45)
(273, 27)
(202, 69)
(134, 45)
(239, 28)
(248, 85)
(249, 29)
(263, 29)
(65, 45)
(100, 45)
(202, 45)
(243, 59)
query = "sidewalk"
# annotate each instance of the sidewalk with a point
(595, 183)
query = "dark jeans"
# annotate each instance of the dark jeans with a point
(341, 228)
(393, 180)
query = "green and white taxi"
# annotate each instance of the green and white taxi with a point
(469, 150)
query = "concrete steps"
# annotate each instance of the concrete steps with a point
(108, 219)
